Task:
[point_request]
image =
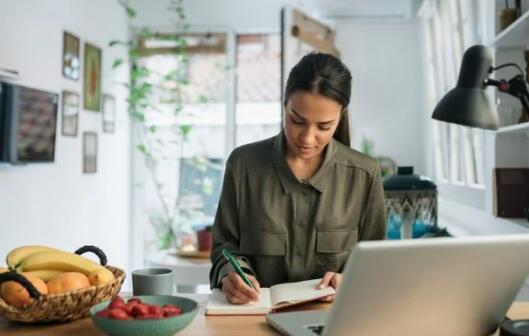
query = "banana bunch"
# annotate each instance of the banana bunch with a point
(47, 262)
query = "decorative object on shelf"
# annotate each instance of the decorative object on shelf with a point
(109, 113)
(89, 152)
(92, 78)
(411, 205)
(510, 192)
(191, 252)
(467, 104)
(70, 113)
(71, 63)
(508, 15)
(204, 238)
(388, 166)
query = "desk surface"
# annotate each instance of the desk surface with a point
(201, 326)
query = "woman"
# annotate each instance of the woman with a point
(293, 206)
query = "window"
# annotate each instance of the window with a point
(450, 27)
(257, 104)
(224, 93)
(186, 133)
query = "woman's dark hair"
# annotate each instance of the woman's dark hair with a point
(326, 75)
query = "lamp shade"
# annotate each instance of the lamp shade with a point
(467, 104)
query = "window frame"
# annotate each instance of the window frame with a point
(452, 175)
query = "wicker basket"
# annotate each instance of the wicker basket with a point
(65, 306)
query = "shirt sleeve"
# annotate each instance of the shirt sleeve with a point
(226, 231)
(373, 224)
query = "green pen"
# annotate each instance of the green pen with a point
(237, 267)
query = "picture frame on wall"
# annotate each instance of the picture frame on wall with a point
(92, 78)
(109, 113)
(71, 61)
(89, 152)
(70, 113)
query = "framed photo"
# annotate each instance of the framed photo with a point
(70, 113)
(109, 113)
(89, 152)
(71, 63)
(92, 78)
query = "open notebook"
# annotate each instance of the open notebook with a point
(273, 298)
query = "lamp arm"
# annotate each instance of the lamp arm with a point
(516, 87)
(492, 69)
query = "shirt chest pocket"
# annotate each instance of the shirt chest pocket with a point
(333, 247)
(263, 243)
(335, 240)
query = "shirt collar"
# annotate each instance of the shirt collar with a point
(288, 181)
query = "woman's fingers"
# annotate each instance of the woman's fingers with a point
(255, 283)
(336, 281)
(232, 294)
(240, 285)
(237, 291)
(328, 298)
(325, 280)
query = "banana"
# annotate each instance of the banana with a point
(100, 276)
(2, 270)
(58, 260)
(14, 257)
(45, 275)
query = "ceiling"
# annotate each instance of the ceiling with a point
(363, 9)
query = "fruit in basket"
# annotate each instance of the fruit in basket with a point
(16, 295)
(101, 276)
(58, 260)
(45, 275)
(2, 270)
(67, 282)
(14, 257)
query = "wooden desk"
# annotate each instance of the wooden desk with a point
(201, 325)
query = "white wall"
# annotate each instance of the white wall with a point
(386, 102)
(56, 204)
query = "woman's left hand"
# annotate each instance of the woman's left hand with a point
(330, 279)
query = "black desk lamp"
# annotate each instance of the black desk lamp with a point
(467, 103)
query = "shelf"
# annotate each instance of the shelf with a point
(514, 129)
(516, 35)
(518, 221)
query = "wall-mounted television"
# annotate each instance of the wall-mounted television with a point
(28, 124)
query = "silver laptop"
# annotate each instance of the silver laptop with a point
(436, 286)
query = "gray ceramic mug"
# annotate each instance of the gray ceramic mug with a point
(152, 281)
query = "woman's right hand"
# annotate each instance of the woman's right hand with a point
(237, 291)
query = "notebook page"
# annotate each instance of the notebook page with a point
(219, 305)
(298, 291)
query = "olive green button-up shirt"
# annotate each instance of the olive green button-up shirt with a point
(284, 230)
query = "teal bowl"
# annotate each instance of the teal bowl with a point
(162, 327)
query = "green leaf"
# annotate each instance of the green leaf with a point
(185, 129)
(203, 99)
(152, 129)
(146, 33)
(142, 148)
(131, 13)
(116, 63)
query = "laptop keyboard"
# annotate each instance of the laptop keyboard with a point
(317, 329)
